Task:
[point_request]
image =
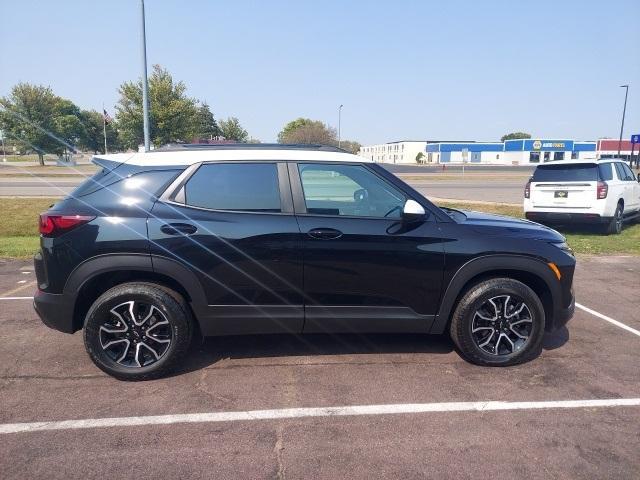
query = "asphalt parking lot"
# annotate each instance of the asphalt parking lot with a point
(47, 377)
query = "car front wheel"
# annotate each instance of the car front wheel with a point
(137, 331)
(498, 322)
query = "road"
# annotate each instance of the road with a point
(508, 190)
(46, 376)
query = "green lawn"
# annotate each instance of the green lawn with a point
(19, 229)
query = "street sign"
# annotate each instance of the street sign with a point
(635, 138)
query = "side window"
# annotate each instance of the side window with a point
(621, 173)
(249, 187)
(605, 171)
(349, 190)
(629, 175)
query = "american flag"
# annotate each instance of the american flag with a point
(106, 116)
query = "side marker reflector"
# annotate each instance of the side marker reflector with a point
(555, 270)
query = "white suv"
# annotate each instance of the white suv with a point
(583, 191)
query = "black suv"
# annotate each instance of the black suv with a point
(159, 247)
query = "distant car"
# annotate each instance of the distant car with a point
(603, 192)
(249, 239)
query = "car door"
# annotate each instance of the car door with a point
(632, 197)
(365, 270)
(232, 225)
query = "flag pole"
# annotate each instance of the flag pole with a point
(104, 128)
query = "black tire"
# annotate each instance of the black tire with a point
(614, 227)
(169, 318)
(466, 316)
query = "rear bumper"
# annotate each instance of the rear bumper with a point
(55, 311)
(561, 217)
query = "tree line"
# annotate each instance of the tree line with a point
(33, 118)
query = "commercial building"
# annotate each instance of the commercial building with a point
(404, 151)
(510, 152)
(609, 149)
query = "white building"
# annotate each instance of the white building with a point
(404, 151)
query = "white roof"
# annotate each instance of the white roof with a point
(188, 157)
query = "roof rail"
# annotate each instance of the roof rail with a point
(173, 147)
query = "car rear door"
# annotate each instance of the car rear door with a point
(559, 186)
(232, 225)
(364, 269)
(630, 186)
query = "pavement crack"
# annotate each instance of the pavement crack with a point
(278, 449)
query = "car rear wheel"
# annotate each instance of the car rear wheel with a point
(498, 322)
(615, 226)
(137, 331)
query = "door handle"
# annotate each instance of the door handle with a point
(324, 233)
(179, 229)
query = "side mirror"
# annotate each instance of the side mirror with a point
(412, 211)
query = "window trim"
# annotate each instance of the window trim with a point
(174, 194)
(300, 205)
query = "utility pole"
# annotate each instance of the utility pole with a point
(4, 153)
(145, 86)
(339, 124)
(104, 128)
(624, 111)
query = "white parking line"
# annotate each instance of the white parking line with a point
(392, 409)
(16, 298)
(609, 319)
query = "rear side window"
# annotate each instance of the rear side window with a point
(605, 171)
(624, 172)
(126, 182)
(249, 187)
(566, 173)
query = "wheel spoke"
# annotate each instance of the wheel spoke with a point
(477, 329)
(523, 337)
(486, 342)
(516, 311)
(524, 320)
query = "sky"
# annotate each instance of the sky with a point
(416, 70)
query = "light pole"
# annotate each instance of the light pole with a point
(145, 86)
(624, 111)
(339, 123)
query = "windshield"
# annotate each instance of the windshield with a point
(581, 172)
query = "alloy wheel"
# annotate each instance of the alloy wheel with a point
(502, 325)
(135, 334)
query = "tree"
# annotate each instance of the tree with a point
(350, 146)
(206, 125)
(420, 157)
(93, 134)
(173, 116)
(34, 116)
(232, 130)
(307, 131)
(515, 136)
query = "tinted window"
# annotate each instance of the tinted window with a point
(629, 175)
(249, 187)
(121, 182)
(605, 171)
(349, 190)
(566, 173)
(621, 173)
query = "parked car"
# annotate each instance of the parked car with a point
(159, 247)
(606, 193)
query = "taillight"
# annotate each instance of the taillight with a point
(52, 225)
(527, 190)
(603, 190)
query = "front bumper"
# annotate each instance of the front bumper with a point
(563, 218)
(562, 315)
(55, 311)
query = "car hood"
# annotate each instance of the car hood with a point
(489, 223)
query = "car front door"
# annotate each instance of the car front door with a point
(232, 225)
(632, 194)
(365, 269)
